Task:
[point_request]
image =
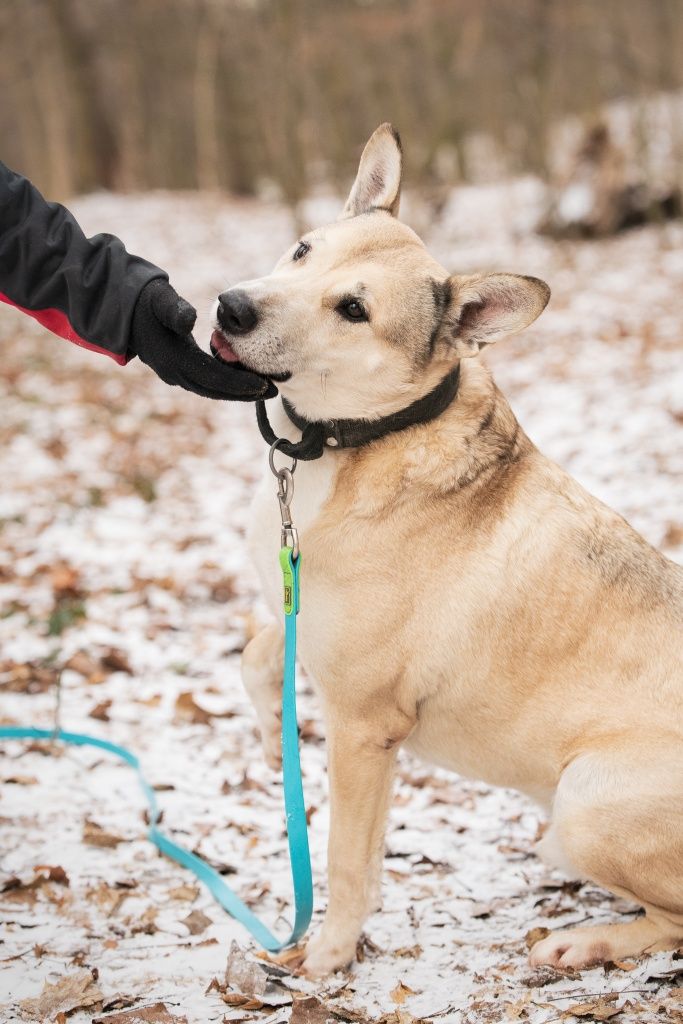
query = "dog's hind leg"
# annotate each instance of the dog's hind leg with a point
(262, 677)
(361, 757)
(618, 817)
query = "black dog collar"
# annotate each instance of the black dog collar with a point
(355, 433)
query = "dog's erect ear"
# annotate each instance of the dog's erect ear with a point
(378, 182)
(483, 308)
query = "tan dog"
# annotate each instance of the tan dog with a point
(461, 595)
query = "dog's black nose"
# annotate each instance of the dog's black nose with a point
(236, 312)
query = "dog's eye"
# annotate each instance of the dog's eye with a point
(352, 309)
(301, 250)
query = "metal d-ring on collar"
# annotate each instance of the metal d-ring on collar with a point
(338, 434)
(289, 537)
(311, 445)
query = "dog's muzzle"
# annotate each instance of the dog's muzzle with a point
(236, 312)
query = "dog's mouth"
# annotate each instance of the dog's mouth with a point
(222, 349)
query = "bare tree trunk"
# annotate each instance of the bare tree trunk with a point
(249, 94)
(668, 34)
(49, 98)
(205, 99)
(542, 16)
(99, 142)
(288, 123)
(131, 127)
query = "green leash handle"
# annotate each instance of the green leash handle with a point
(295, 809)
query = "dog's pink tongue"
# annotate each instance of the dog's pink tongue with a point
(223, 348)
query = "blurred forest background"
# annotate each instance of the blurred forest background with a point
(274, 97)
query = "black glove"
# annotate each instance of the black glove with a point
(161, 336)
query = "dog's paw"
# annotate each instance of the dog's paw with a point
(571, 948)
(323, 957)
(271, 741)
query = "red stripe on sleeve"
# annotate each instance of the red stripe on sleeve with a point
(58, 323)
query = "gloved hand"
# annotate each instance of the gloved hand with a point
(161, 336)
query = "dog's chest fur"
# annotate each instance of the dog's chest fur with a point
(362, 625)
(313, 485)
(482, 613)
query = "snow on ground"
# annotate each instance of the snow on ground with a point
(122, 514)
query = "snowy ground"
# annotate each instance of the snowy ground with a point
(122, 560)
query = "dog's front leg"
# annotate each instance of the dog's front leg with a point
(262, 677)
(361, 758)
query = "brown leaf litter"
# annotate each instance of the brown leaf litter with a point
(247, 984)
(78, 991)
(17, 890)
(96, 835)
(187, 710)
(157, 1013)
(197, 922)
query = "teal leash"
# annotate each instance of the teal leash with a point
(295, 808)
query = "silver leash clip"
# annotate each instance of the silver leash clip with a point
(289, 537)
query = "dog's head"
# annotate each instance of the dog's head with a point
(357, 320)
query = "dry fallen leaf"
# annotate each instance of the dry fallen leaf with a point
(220, 866)
(398, 1017)
(625, 965)
(51, 873)
(31, 677)
(96, 835)
(66, 581)
(414, 952)
(158, 1013)
(118, 1002)
(275, 996)
(242, 975)
(85, 665)
(149, 702)
(106, 897)
(116, 661)
(600, 1009)
(351, 1016)
(72, 992)
(401, 993)
(184, 892)
(101, 711)
(673, 536)
(145, 923)
(19, 891)
(517, 1009)
(223, 590)
(289, 958)
(675, 974)
(545, 975)
(309, 1010)
(245, 785)
(196, 922)
(256, 890)
(187, 710)
(243, 1002)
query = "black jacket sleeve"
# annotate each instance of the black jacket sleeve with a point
(83, 289)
